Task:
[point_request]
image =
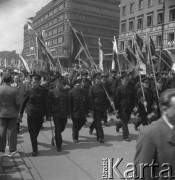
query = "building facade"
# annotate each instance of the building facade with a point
(155, 17)
(94, 18)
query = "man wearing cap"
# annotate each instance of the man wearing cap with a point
(58, 109)
(78, 108)
(35, 100)
(99, 104)
(145, 106)
(8, 114)
(124, 100)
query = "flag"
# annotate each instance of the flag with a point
(25, 64)
(31, 32)
(78, 44)
(115, 55)
(131, 57)
(139, 41)
(101, 55)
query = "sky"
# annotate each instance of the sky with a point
(13, 16)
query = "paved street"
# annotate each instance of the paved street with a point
(81, 161)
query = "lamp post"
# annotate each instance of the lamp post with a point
(162, 44)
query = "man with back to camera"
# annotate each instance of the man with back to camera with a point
(8, 114)
(156, 142)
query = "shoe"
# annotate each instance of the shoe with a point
(127, 139)
(12, 153)
(59, 149)
(101, 140)
(34, 154)
(76, 141)
(106, 124)
(117, 128)
(90, 132)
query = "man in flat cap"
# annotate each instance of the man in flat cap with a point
(145, 106)
(124, 100)
(35, 100)
(99, 105)
(78, 108)
(58, 109)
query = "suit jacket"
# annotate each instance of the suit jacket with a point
(156, 143)
(8, 102)
(78, 103)
(36, 102)
(58, 102)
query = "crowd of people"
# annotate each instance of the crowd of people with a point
(59, 97)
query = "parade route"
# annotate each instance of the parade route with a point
(75, 162)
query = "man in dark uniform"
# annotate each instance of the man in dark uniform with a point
(58, 109)
(99, 103)
(124, 100)
(36, 100)
(145, 106)
(78, 108)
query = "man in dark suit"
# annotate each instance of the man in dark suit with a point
(78, 108)
(36, 100)
(156, 143)
(8, 114)
(58, 109)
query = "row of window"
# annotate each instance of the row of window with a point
(140, 6)
(50, 23)
(49, 14)
(94, 9)
(149, 22)
(94, 20)
(158, 41)
(55, 31)
(55, 41)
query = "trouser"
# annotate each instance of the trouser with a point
(34, 126)
(8, 129)
(18, 127)
(124, 117)
(77, 125)
(98, 116)
(60, 124)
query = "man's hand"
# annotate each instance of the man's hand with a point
(145, 103)
(19, 118)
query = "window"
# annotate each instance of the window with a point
(123, 27)
(51, 13)
(60, 18)
(140, 23)
(171, 37)
(172, 15)
(46, 16)
(159, 40)
(50, 33)
(55, 21)
(150, 3)
(160, 18)
(49, 42)
(55, 31)
(149, 20)
(55, 41)
(130, 43)
(50, 23)
(42, 19)
(131, 25)
(55, 10)
(124, 11)
(60, 39)
(122, 45)
(60, 29)
(140, 4)
(61, 7)
(131, 7)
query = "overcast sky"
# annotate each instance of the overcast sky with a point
(13, 16)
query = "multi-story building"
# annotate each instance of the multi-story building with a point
(94, 18)
(155, 17)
